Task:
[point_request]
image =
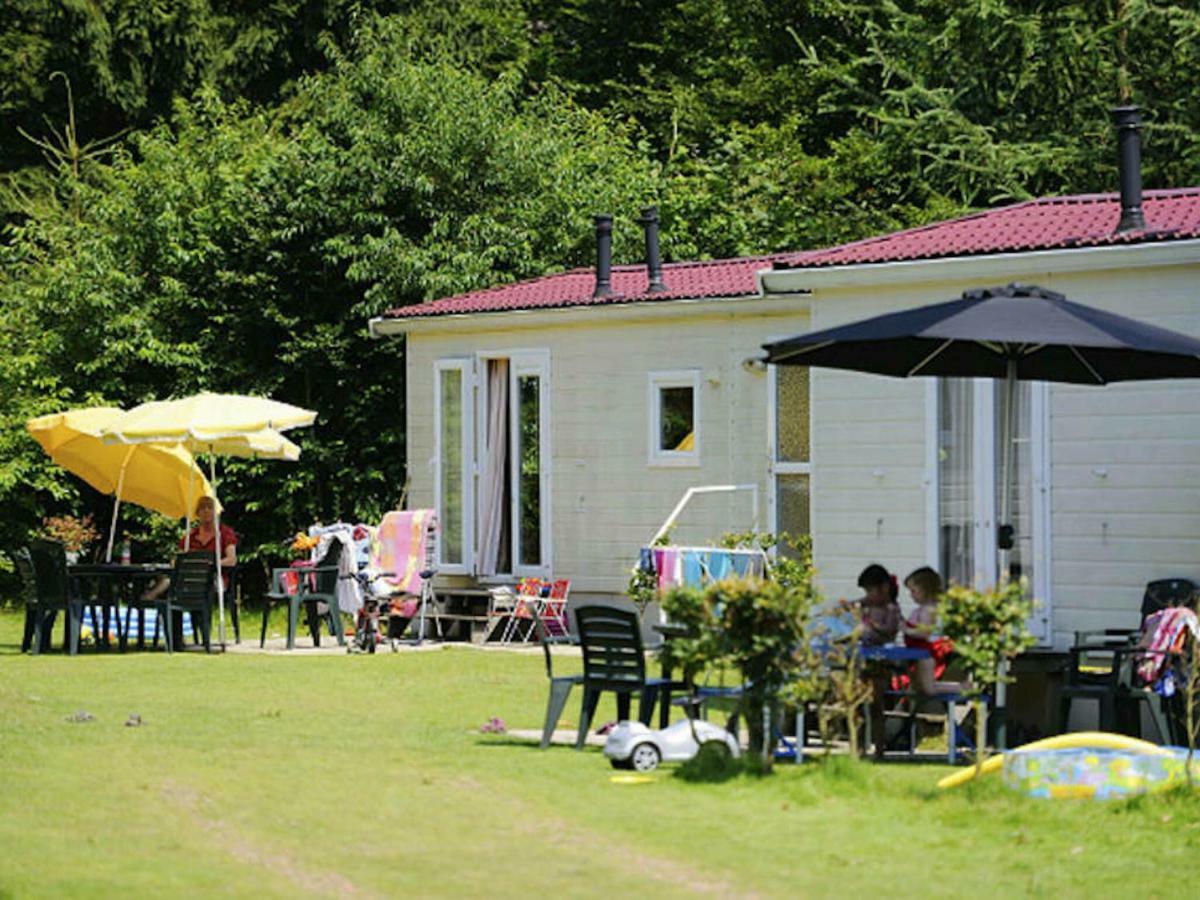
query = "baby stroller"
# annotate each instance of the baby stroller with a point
(398, 581)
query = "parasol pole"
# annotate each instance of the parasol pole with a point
(112, 529)
(1008, 432)
(1009, 426)
(187, 529)
(212, 477)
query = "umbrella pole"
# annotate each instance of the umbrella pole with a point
(1000, 713)
(212, 477)
(1008, 433)
(187, 528)
(112, 529)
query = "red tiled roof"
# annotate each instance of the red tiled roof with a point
(1052, 223)
(718, 278)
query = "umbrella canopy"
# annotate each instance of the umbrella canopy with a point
(989, 331)
(207, 418)
(216, 424)
(1014, 333)
(155, 475)
(161, 477)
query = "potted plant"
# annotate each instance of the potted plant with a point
(75, 534)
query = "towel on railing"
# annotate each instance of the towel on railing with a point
(398, 554)
(697, 566)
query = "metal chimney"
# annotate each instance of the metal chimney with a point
(603, 257)
(649, 222)
(1128, 120)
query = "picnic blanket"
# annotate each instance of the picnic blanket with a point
(398, 553)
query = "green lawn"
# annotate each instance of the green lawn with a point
(367, 775)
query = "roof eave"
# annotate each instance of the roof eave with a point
(983, 268)
(577, 314)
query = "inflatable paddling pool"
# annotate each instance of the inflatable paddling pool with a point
(1091, 764)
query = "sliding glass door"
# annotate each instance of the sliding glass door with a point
(968, 474)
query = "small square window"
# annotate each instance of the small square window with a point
(675, 418)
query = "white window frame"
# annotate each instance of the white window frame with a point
(656, 382)
(536, 364)
(776, 466)
(525, 361)
(984, 492)
(466, 369)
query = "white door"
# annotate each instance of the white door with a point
(512, 452)
(965, 472)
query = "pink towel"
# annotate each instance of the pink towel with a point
(399, 548)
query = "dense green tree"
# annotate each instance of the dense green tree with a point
(243, 251)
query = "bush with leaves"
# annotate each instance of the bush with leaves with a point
(988, 628)
(755, 626)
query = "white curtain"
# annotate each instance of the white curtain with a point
(956, 479)
(495, 467)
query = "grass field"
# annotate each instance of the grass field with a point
(367, 775)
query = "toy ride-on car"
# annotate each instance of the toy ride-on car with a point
(631, 745)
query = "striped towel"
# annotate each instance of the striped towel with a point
(398, 551)
(90, 628)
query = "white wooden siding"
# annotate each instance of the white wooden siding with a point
(608, 501)
(1109, 535)
(1125, 459)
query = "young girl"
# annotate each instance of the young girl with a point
(925, 587)
(879, 611)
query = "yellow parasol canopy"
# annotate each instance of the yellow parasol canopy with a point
(205, 419)
(156, 476)
(216, 424)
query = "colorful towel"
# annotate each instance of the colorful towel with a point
(398, 551)
(1162, 635)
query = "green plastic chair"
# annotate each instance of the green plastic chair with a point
(317, 584)
(560, 685)
(191, 591)
(52, 588)
(614, 660)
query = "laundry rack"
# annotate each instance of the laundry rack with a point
(697, 565)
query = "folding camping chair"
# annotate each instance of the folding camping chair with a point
(401, 569)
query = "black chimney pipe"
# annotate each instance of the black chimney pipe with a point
(1128, 120)
(603, 256)
(649, 222)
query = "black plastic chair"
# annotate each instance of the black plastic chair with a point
(1094, 673)
(560, 685)
(315, 585)
(52, 587)
(1167, 592)
(614, 660)
(191, 591)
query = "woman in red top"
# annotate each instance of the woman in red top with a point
(203, 537)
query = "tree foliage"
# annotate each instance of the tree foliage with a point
(283, 170)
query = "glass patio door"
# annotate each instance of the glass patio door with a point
(969, 476)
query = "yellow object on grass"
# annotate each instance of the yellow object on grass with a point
(155, 476)
(632, 779)
(1102, 740)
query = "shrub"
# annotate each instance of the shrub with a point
(988, 627)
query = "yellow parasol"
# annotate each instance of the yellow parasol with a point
(216, 424)
(161, 477)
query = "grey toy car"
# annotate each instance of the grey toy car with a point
(631, 745)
